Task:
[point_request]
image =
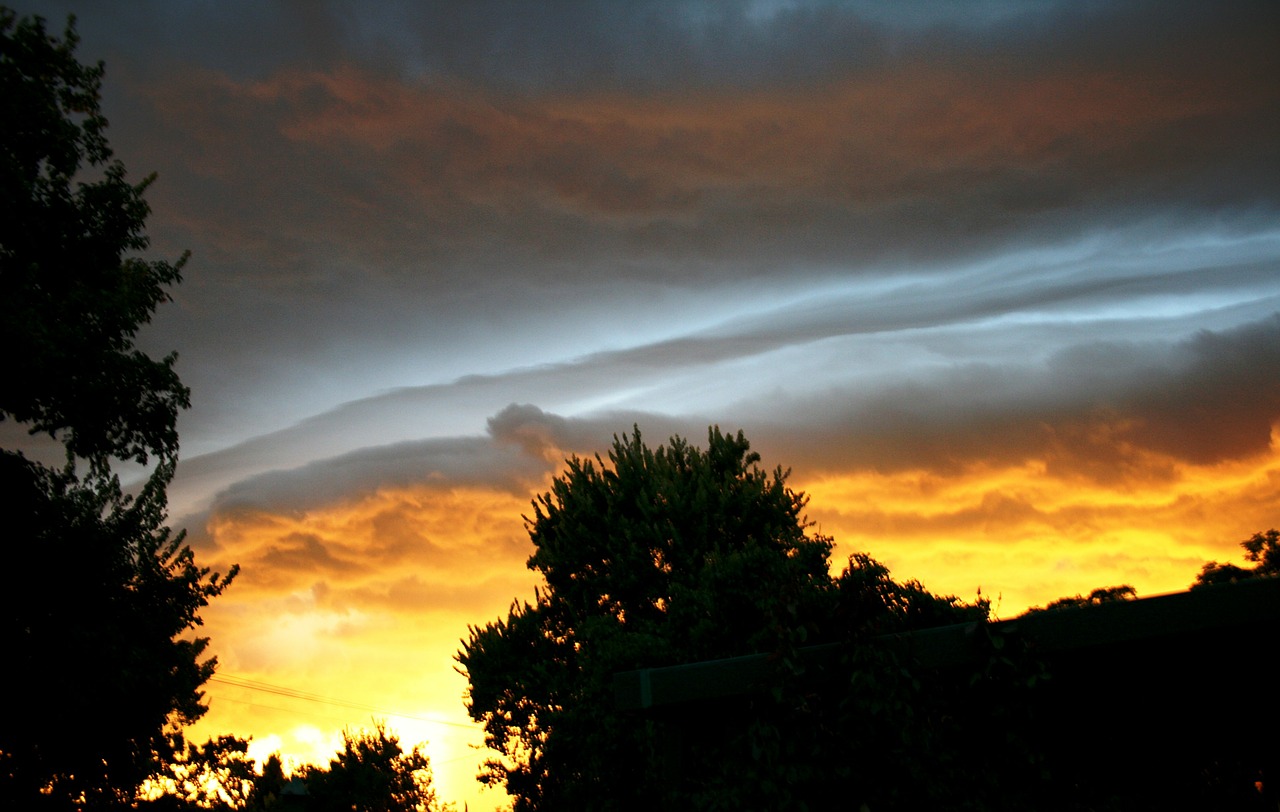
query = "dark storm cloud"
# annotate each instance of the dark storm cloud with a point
(536, 432)
(846, 176)
(423, 178)
(980, 346)
(445, 463)
(866, 209)
(657, 45)
(646, 45)
(524, 444)
(982, 126)
(1106, 412)
(643, 45)
(1097, 411)
(1220, 402)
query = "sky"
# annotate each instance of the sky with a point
(998, 282)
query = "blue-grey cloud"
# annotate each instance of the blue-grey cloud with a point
(1209, 398)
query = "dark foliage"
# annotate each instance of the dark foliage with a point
(96, 594)
(1261, 549)
(1101, 595)
(372, 773)
(676, 554)
(217, 775)
(72, 292)
(93, 603)
(268, 787)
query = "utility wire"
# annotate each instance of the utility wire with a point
(293, 693)
(293, 711)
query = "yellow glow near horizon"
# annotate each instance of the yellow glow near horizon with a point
(366, 601)
(1030, 535)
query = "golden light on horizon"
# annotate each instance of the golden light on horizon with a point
(360, 605)
(358, 608)
(1031, 533)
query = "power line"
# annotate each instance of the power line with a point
(292, 711)
(307, 696)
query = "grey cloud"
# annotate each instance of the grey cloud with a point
(545, 434)
(1221, 402)
(343, 212)
(486, 204)
(535, 431)
(513, 459)
(645, 44)
(311, 205)
(1093, 410)
(511, 45)
(242, 39)
(942, 321)
(871, 183)
(1204, 399)
(447, 462)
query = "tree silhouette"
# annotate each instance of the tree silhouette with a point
(97, 594)
(667, 556)
(268, 786)
(217, 775)
(73, 293)
(93, 609)
(1105, 594)
(1260, 549)
(372, 773)
(678, 570)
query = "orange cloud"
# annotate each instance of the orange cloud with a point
(1032, 532)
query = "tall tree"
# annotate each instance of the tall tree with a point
(97, 597)
(93, 608)
(73, 292)
(661, 557)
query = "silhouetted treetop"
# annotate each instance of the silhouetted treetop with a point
(73, 293)
(373, 773)
(1105, 594)
(97, 596)
(669, 555)
(1261, 549)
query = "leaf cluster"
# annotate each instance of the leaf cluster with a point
(1101, 595)
(217, 775)
(73, 292)
(98, 597)
(93, 609)
(675, 554)
(373, 773)
(1261, 549)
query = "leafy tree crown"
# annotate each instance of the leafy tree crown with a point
(98, 597)
(666, 556)
(74, 291)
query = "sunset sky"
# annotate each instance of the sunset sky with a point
(998, 281)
